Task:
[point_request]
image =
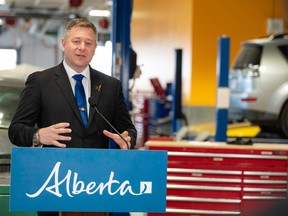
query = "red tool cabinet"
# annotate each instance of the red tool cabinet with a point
(208, 178)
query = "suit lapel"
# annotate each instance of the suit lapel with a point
(96, 89)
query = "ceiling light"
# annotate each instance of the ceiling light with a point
(2, 2)
(99, 13)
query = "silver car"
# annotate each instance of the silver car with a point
(10, 89)
(258, 83)
(11, 85)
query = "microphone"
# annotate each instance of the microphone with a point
(92, 102)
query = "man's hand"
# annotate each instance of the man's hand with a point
(118, 139)
(53, 134)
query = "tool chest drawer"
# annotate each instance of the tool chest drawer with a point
(220, 179)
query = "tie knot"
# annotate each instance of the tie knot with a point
(78, 77)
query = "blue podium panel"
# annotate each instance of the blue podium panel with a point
(88, 180)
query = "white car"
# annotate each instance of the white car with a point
(258, 83)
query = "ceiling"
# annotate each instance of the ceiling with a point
(51, 8)
(46, 17)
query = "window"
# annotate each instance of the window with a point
(102, 60)
(284, 51)
(8, 59)
(248, 55)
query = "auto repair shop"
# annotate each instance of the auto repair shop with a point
(204, 80)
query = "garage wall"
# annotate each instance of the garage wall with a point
(238, 19)
(34, 51)
(160, 26)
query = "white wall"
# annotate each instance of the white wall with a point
(38, 51)
(33, 50)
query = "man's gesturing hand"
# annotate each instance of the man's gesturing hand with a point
(118, 139)
(53, 134)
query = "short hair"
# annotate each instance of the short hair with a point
(80, 22)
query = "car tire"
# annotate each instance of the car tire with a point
(284, 119)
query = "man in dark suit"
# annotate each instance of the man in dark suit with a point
(47, 113)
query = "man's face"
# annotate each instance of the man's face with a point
(79, 47)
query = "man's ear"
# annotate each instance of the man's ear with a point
(63, 43)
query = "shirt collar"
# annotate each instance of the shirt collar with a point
(71, 72)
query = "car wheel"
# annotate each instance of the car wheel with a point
(284, 119)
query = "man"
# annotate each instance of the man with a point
(48, 114)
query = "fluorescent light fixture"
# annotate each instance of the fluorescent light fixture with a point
(2, 2)
(99, 13)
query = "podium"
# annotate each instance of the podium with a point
(88, 182)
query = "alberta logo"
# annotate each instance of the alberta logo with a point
(145, 187)
(73, 186)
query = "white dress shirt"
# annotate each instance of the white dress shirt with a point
(86, 82)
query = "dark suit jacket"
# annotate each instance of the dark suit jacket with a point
(48, 99)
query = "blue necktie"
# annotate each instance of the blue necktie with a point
(81, 98)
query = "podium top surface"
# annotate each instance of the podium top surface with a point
(197, 144)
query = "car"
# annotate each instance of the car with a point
(11, 84)
(258, 83)
(10, 89)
